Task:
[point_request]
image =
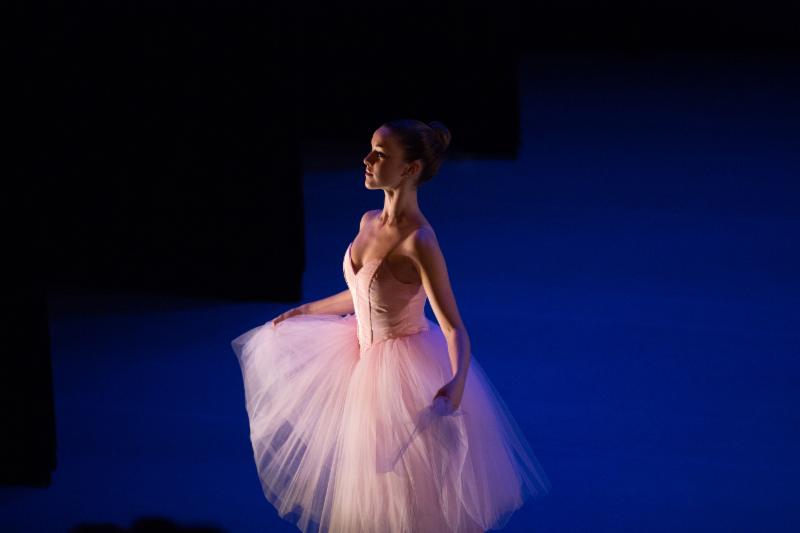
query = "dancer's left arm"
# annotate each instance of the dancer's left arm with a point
(436, 281)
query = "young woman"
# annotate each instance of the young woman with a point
(366, 416)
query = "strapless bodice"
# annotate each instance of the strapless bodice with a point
(385, 307)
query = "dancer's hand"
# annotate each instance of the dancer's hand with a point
(453, 390)
(290, 313)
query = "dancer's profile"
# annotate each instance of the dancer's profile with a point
(366, 416)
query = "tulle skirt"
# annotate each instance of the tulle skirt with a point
(353, 442)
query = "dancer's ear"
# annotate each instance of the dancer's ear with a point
(412, 170)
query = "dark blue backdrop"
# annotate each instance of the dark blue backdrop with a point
(629, 283)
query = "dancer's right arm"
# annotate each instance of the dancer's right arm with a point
(338, 304)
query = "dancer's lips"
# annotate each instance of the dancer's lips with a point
(368, 173)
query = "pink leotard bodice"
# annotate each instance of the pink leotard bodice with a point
(385, 307)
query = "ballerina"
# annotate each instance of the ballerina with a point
(366, 416)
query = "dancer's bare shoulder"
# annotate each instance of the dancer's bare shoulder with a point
(427, 254)
(367, 217)
(423, 236)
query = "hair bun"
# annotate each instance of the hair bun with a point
(423, 141)
(442, 133)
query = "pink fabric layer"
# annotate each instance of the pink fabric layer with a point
(346, 435)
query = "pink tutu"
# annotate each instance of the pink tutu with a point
(346, 435)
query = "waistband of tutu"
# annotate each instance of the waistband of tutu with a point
(395, 335)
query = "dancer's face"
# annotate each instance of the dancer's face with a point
(385, 165)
